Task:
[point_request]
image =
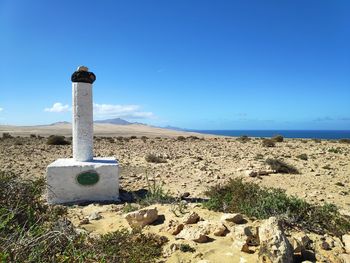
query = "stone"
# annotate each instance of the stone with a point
(244, 236)
(220, 230)
(345, 258)
(213, 227)
(195, 234)
(63, 186)
(82, 68)
(300, 242)
(174, 227)
(234, 218)
(346, 241)
(185, 195)
(142, 217)
(94, 216)
(191, 218)
(325, 245)
(274, 245)
(84, 221)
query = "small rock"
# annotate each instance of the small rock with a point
(174, 227)
(185, 195)
(220, 230)
(346, 241)
(191, 218)
(195, 234)
(274, 245)
(142, 217)
(246, 249)
(325, 246)
(95, 216)
(82, 68)
(235, 218)
(300, 242)
(84, 221)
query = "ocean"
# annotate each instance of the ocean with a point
(305, 134)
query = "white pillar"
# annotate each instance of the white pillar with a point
(82, 123)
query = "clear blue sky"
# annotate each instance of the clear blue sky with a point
(193, 64)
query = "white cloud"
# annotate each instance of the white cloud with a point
(58, 107)
(1, 109)
(109, 111)
(121, 111)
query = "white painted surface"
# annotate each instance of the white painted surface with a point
(62, 185)
(82, 122)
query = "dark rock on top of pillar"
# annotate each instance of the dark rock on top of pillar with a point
(83, 75)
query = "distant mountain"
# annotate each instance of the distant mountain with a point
(57, 123)
(117, 121)
(173, 128)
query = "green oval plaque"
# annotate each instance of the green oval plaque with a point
(88, 178)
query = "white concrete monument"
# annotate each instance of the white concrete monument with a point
(83, 178)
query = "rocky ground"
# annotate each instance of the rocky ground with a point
(195, 164)
(192, 165)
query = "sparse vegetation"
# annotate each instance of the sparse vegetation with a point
(278, 138)
(303, 156)
(281, 167)
(327, 167)
(268, 143)
(243, 139)
(186, 248)
(31, 231)
(6, 135)
(129, 208)
(238, 196)
(156, 193)
(152, 158)
(179, 208)
(334, 150)
(181, 138)
(344, 140)
(259, 156)
(57, 140)
(317, 140)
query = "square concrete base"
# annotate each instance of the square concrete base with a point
(69, 181)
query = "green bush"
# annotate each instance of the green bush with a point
(248, 198)
(186, 248)
(281, 167)
(181, 138)
(125, 246)
(278, 138)
(57, 140)
(268, 143)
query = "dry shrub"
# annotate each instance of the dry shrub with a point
(57, 140)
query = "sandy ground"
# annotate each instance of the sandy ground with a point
(99, 130)
(192, 166)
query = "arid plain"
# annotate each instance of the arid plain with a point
(190, 164)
